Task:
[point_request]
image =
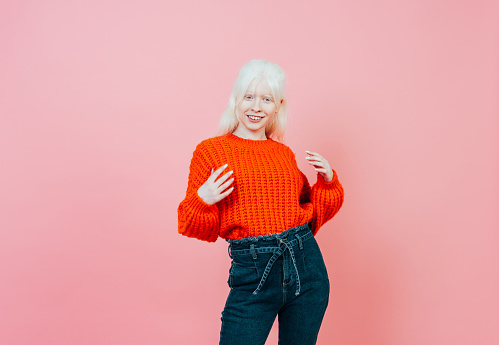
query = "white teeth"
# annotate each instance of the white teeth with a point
(254, 117)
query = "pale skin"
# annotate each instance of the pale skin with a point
(257, 102)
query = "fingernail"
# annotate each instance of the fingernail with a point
(307, 157)
(307, 151)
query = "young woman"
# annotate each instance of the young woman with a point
(245, 186)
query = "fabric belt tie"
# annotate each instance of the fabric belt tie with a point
(283, 246)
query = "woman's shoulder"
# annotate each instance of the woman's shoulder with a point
(284, 148)
(209, 145)
(210, 142)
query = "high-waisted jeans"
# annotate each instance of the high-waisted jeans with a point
(280, 275)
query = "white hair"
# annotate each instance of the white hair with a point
(272, 75)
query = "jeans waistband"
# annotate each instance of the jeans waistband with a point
(274, 243)
(266, 240)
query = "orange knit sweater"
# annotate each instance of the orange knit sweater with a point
(270, 193)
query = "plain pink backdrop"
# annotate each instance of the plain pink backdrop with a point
(103, 102)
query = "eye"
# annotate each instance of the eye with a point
(267, 99)
(249, 97)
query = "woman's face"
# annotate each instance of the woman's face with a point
(255, 111)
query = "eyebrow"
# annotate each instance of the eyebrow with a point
(264, 95)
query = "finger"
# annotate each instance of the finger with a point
(226, 185)
(313, 153)
(218, 172)
(223, 178)
(227, 192)
(319, 164)
(314, 158)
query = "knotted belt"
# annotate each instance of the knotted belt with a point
(283, 246)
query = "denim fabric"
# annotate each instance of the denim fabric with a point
(281, 275)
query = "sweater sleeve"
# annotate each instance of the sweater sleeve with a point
(326, 197)
(196, 218)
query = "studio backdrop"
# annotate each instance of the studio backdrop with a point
(102, 104)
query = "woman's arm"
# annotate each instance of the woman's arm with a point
(196, 218)
(326, 197)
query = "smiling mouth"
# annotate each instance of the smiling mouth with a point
(255, 117)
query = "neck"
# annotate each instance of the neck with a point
(250, 135)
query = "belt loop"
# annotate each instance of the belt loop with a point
(299, 241)
(229, 250)
(253, 252)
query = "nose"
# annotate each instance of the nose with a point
(256, 105)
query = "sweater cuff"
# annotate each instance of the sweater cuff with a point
(204, 221)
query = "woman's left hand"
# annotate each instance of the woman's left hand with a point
(321, 165)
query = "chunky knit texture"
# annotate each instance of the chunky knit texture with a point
(270, 193)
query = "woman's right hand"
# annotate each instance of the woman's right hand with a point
(213, 191)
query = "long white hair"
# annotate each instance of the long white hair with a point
(274, 77)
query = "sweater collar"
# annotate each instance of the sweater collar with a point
(249, 142)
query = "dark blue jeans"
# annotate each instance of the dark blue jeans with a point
(279, 275)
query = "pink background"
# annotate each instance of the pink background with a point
(103, 102)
